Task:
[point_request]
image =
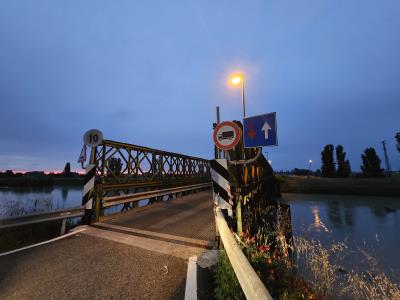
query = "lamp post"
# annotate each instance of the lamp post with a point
(309, 168)
(236, 80)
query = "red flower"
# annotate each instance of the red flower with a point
(266, 247)
(260, 248)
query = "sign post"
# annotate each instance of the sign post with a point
(92, 139)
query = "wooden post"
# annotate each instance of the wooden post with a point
(239, 215)
(63, 226)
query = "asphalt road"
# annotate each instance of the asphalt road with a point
(115, 262)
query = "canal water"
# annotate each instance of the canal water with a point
(370, 224)
(27, 200)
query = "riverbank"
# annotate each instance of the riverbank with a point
(340, 186)
(40, 181)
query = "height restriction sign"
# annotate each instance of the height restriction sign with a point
(226, 135)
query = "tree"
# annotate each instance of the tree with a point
(67, 169)
(343, 169)
(115, 165)
(398, 141)
(328, 164)
(8, 173)
(371, 164)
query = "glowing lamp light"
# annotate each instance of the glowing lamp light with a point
(235, 80)
(310, 161)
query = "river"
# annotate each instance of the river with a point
(366, 224)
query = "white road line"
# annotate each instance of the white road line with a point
(45, 242)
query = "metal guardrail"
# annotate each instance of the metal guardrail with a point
(252, 286)
(43, 217)
(115, 200)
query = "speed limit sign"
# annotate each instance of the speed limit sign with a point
(93, 138)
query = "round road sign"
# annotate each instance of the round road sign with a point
(226, 135)
(93, 138)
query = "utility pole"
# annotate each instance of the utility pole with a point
(216, 150)
(388, 168)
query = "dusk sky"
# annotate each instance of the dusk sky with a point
(152, 72)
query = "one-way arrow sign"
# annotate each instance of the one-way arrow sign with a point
(260, 131)
(265, 128)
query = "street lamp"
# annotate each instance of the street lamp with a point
(236, 80)
(309, 167)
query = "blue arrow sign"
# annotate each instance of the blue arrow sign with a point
(260, 131)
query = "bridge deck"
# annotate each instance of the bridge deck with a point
(190, 216)
(142, 255)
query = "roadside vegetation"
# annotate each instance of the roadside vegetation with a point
(344, 186)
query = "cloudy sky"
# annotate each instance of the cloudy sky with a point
(152, 72)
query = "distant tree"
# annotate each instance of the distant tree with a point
(343, 165)
(299, 172)
(67, 169)
(328, 164)
(398, 141)
(371, 164)
(8, 173)
(115, 165)
(318, 173)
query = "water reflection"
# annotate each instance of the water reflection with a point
(22, 201)
(349, 214)
(64, 193)
(335, 214)
(318, 225)
(368, 223)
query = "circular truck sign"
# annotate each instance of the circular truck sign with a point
(226, 135)
(93, 138)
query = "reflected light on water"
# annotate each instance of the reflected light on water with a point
(318, 225)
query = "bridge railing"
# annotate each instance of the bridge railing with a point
(63, 215)
(127, 173)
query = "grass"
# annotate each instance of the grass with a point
(226, 283)
(345, 186)
(330, 280)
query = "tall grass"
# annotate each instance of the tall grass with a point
(330, 279)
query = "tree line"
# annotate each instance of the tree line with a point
(371, 163)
